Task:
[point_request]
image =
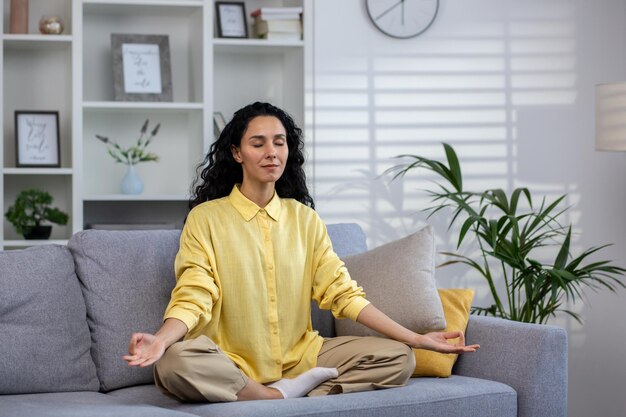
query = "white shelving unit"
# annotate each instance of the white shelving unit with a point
(72, 73)
(37, 75)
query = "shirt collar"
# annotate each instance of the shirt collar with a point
(249, 209)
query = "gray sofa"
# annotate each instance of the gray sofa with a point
(66, 314)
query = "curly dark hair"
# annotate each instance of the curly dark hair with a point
(221, 172)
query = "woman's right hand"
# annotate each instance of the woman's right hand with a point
(144, 349)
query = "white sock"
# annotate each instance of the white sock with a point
(302, 384)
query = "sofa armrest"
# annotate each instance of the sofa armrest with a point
(530, 358)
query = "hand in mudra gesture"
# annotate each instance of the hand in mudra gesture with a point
(144, 349)
(438, 342)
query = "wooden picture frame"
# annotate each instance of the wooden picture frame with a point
(231, 19)
(37, 139)
(141, 67)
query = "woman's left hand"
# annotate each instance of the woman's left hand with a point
(378, 321)
(438, 342)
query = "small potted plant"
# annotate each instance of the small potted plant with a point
(31, 208)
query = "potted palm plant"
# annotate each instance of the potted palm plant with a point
(31, 208)
(509, 240)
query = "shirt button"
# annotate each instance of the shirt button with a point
(271, 267)
(275, 332)
(272, 298)
(277, 361)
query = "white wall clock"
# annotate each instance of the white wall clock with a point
(402, 18)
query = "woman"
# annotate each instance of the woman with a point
(253, 253)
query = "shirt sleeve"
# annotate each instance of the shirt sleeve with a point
(196, 290)
(333, 288)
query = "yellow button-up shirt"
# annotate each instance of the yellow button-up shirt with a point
(246, 277)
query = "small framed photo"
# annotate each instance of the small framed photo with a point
(219, 123)
(141, 67)
(37, 139)
(231, 19)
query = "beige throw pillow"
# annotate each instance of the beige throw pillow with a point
(398, 278)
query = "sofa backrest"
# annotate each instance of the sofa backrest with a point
(348, 239)
(127, 278)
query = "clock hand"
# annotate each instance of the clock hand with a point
(402, 12)
(389, 9)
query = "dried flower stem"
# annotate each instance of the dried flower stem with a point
(136, 153)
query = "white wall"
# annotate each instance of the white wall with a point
(509, 83)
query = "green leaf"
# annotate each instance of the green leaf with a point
(515, 199)
(500, 200)
(561, 258)
(455, 168)
(493, 228)
(545, 216)
(465, 228)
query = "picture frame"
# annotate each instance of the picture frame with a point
(219, 123)
(141, 67)
(37, 139)
(231, 19)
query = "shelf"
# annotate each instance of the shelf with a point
(124, 197)
(196, 3)
(141, 7)
(29, 243)
(11, 37)
(37, 171)
(141, 106)
(254, 46)
(36, 42)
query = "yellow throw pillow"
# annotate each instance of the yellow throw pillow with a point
(456, 308)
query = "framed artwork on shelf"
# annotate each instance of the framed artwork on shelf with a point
(231, 19)
(37, 141)
(219, 123)
(141, 67)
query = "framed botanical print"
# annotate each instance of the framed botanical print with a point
(37, 139)
(141, 67)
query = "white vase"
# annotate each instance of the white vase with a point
(131, 183)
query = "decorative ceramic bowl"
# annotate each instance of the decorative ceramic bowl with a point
(51, 25)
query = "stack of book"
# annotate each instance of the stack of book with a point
(278, 23)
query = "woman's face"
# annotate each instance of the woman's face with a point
(263, 151)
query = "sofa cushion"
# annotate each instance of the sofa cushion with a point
(44, 338)
(454, 396)
(456, 307)
(79, 404)
(398, 278)
(347, 239)
(127, 278)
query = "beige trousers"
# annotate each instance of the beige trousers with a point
(196, 370)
